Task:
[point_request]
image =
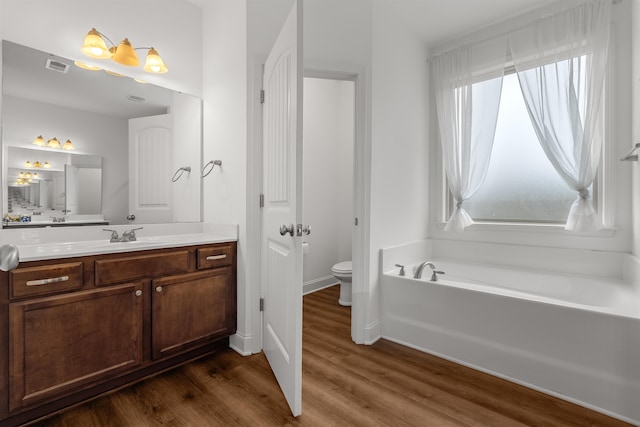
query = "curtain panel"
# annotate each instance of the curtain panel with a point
(468, 84)
(561, 63)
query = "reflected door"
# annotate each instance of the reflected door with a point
(150, 140)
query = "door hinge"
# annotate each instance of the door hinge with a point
(261, 304)
(262, 200)
(262, 96)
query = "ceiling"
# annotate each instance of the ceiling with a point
(437, 21)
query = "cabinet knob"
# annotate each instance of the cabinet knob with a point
(158, 289)
(138, 293)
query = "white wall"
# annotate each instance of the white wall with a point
(328, 176)
(225, 138)
(635, 131)
(400, 162)
(92, 133)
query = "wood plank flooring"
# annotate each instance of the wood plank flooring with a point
(343, 385)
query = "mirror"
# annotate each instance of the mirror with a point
(44, 94)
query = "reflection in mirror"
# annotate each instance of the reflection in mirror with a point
(43, 94)
(67, 190)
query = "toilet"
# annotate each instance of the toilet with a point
(342, 272)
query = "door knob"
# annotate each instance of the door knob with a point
(303, 229)
(286, 229)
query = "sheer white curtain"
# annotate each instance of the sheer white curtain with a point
(561, 63)
(468, 84)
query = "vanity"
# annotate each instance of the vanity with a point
(81, 318)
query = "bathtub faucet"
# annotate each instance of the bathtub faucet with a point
(418, 273)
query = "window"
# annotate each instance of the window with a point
(521, 184)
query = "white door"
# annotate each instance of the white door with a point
(150, 169)
(282, 187)
(71, 189)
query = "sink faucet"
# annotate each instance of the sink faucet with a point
(418, 273)
(127, 236)
(130, 235)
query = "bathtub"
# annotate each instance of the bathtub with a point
(575, 337)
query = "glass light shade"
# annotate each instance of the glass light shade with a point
(154, 63)
(39, 141)
(37, 164)
(27, 175)
(53, 143)
(35, 175)
(47, 165)
(21, 174)
(68, 145)
(27, 164)
(126, 55)
(85, 66)
(94, 46)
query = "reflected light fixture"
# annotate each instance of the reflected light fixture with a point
(39, 141)
(86, 66)
(35, 165)
(53, 143)
(95, 46)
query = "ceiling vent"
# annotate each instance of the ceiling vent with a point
(58, 66)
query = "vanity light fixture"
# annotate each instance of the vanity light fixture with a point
(28, 164)
(37, 164)
(94, 46)
(68, 146)
(46, 165)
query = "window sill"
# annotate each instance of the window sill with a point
(515, 227)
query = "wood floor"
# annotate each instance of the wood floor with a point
(343, 385)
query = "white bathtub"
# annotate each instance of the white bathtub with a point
(574, 337)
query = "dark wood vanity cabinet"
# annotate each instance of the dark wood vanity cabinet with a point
(75, 328)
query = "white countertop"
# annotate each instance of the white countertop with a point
(51, 243)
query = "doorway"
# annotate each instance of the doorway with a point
(328, 178)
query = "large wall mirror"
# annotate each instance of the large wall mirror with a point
(129, 138)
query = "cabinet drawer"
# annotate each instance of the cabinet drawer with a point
(45, 279)
(123, 269)
(216, 256)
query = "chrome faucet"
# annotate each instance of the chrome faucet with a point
(130, 235)
(418, 272)
(434, 272)
(127, 236)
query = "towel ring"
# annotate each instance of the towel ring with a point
(179, 172)
(213, 164)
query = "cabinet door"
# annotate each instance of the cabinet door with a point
(191, 310)
(62, 344)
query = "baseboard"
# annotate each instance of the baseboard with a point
(318, 284)
(372, 332)
(241, 344)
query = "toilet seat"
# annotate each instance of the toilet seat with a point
(343, 268)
